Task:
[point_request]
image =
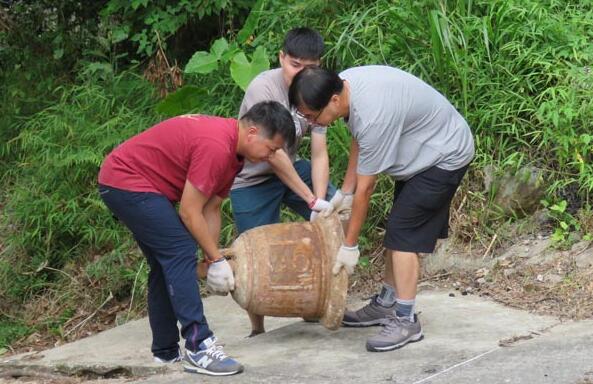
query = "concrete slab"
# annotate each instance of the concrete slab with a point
(458, 329)
(467, 340)
(564, 354)
(126, 349)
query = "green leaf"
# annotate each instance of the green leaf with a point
(58, 54)
(3, 351)
(558, 235)
(560, 207)
(563, 225)
(104, 69)
(219, 47)
(251, 22)
(185, 100)
(201, 62)
(119, 34)
(231, 51)
(364, 261)
(243, 71)
(137, 3)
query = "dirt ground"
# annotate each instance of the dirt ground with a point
(529, 274)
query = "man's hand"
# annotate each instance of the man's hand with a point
(220, 277)
(319, 205)
(341, 202)
(348, 258)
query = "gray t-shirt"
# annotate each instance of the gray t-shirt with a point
(402, 125)
(270, 85)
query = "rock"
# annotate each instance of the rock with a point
(504, 262)
(540, 278)
(518, 193)
(509, 272)
(584, 259)
(580, 246)
(553, 278)
(121, 318)
(540, 252)
(482, 272)
(542, 218)
(481, 281)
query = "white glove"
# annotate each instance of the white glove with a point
(341, 202)
(348, 258)
(319, 205)
(220, 278)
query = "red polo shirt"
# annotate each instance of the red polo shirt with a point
(198, 148)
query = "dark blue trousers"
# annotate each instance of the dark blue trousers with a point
(173, 292)
(260, 204)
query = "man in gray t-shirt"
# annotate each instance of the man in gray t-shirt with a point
(260, 189)
(401, 127)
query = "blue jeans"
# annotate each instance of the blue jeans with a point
(260, 204)
(173, 292)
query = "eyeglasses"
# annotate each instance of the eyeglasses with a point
(310, 119)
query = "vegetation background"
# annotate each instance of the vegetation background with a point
(79, 77)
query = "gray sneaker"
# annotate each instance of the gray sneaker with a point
(398, 332)
(371, 314)
(210, 360)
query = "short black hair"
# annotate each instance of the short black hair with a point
(303, 43)
(313, 88)
(272, 118)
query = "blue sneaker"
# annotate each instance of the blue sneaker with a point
(211, 360)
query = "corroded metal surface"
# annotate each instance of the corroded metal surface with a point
(285, 270)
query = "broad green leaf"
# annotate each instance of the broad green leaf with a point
(58, 54)
(201, 62)
(138, 3)
(243, 71)
(119, 34)
(185, 100)
(219, 47)
(560, 207)
(231, 51)
(94, 67)
(558, 235)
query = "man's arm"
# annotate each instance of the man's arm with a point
(284, 169)
(197, 213)
(212, 216)
(350, 179)
(365, 185)
(342, 200)
(319, 164)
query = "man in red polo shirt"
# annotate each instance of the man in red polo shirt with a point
(192, 160)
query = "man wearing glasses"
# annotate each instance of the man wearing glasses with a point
(404, 128)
